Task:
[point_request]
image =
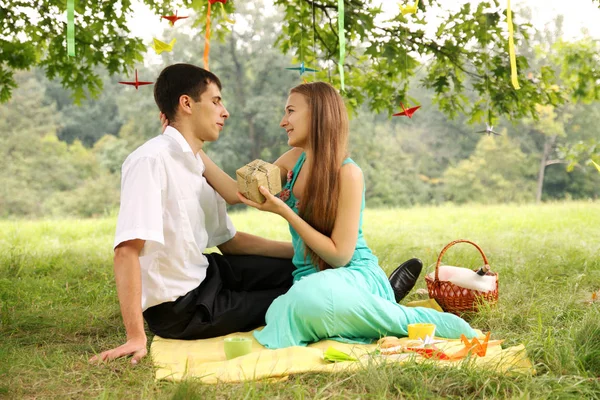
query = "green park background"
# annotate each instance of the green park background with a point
(528, 197)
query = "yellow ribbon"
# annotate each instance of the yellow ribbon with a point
(225, 14)
(511, 48)
(207, 39)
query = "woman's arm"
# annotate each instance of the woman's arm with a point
(286, 162)
(338, 249)
(227, 186)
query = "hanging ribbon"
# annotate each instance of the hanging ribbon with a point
(71, 28)
(251, 170)
(225, 14)
(511, 48)
(342, 39)
(314, 21)
(207, 37)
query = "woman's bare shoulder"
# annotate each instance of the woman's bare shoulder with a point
(288, 159)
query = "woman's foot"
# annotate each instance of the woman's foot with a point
(403, 279)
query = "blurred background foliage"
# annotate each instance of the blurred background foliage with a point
(62, 147)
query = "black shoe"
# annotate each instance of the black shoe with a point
(403, 279)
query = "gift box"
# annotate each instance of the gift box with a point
(255, 174)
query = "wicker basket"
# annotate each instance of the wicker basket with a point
(455, 299)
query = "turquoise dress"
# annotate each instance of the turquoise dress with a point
(354, 303)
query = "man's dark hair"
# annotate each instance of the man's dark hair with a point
(177, 80)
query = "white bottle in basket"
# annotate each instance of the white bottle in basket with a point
(467, 278)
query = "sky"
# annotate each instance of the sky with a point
(578, 14)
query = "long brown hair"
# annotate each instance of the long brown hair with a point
(327, 141)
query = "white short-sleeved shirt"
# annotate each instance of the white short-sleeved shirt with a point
(166, 201)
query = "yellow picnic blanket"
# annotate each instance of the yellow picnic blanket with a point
(205, 359)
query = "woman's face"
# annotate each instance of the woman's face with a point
(296, 120)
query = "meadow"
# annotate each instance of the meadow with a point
(58, 307)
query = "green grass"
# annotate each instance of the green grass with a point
(58, 306)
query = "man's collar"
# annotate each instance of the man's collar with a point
(175, 134)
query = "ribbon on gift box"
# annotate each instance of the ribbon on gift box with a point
(259, 166)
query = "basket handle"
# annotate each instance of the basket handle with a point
(439, 260)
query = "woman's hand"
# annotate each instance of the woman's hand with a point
(272, 204)
(164, 121)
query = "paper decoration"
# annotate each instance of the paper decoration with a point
(302, 69)
(475, 347)
(426, 348)
(137, 83)
(160, 46)
(511, 48)
(489, 130)
(406, 112)
(334, 355)
(173, 18)
(342, 40)
(71, 28)
(409, 9)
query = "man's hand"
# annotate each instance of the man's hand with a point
(133, 347)
(129, 289)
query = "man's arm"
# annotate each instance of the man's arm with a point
(225, 185)
(129, 289)
(247, 244)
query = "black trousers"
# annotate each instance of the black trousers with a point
(234, 297)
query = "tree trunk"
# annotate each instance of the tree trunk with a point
(548, 146)
(239, 70)
(254, 151)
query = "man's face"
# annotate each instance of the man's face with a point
(209, 114)
(296, 120)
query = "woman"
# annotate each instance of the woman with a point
(339, 290)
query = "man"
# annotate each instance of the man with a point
(169, 215)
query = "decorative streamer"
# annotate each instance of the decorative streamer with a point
(511, 48)
(301, 38)
(314, 42)
(71, 28)
(207, 37)
(342, 39)
(225, 15)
